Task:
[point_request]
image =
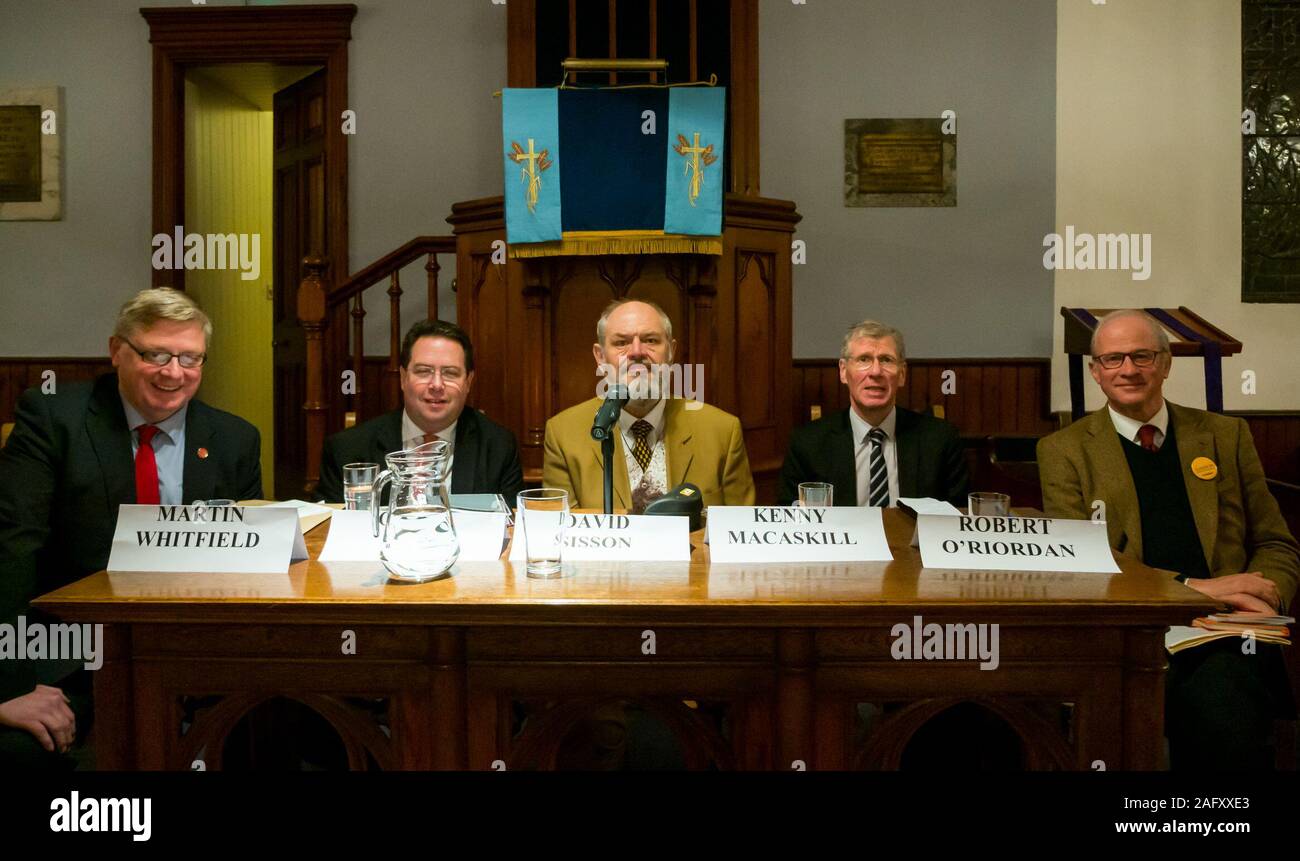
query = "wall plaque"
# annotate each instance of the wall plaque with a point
(31, 151)
(899, 162)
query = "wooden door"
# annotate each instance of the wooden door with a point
(300, 212)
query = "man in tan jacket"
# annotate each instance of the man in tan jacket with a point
(662, 440)
(1183, 490)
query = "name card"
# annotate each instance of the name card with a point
(199, 538)
(772, 534)
(481, 536)
(618, 537)
(1014, 544)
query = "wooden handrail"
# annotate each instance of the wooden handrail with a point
(385, 266)
(324, 309)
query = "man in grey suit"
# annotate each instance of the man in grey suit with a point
(134, 436)
(875, 451)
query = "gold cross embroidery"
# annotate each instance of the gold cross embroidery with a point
(532, 171)
(698, 158)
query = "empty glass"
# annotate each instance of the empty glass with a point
(358, 482)
(417, 535)
(542, 517)
(989, 505)
(816, 494)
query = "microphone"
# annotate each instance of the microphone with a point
(607, 415)
(683, 500)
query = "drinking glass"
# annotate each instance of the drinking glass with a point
(543, 515)
(989, 505)
(358, 481)
(816, 494)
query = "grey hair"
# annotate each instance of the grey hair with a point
(619, 303)
(159, 303)
(1162, 339)
(874, 330)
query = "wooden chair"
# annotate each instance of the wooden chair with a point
(5, 429)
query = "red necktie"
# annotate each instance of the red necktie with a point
(146, 468)
(1147, 437)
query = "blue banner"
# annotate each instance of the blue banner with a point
(694, 183)
(531, 128)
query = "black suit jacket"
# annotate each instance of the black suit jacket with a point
(486, 455)
(931, 460)
(68, 466)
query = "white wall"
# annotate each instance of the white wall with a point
(421, 80)
(1149, 141)
(963, 281)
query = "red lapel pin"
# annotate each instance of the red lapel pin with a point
(203, 454)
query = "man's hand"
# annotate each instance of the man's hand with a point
(1252, 591)
(45, 714)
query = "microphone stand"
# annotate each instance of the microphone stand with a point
(603, 428)
(607, 454)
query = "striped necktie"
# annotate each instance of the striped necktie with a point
(879, 494)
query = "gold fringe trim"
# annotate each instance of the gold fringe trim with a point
(590, 243)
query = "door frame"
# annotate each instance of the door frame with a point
(184, 36)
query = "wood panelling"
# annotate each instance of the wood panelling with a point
(1277, 439)
(990, 397)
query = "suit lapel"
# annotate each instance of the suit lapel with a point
(466, 454)
(198, 480)
(388, 438)
(843, 461)
(1106, 457)
(111, 440)
(678, 450)
(1195, 441)
(909, 454)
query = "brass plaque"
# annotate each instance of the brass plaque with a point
(902, 163)
(20, 153)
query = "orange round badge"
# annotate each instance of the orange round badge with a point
(1204, 468)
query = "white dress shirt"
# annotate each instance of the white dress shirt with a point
(412, 436)
(1128, 428)
(651, 483)
(862, 455)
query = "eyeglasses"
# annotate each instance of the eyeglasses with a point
(162, 358)
(862, 363)
(424, 375)
(1141, 358)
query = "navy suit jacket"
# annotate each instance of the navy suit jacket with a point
(931, 460)
(68, 466)
(486, 458)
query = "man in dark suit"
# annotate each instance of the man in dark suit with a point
(875, 451)
(437, 375)
(76, 454)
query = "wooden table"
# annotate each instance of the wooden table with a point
(752, 667)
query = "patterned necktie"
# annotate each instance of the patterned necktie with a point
(879, 494)
(429, 437)
(1147, 437)
(641, 449)
(146, 468)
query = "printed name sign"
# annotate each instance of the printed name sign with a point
(1014, 544)
(617, 537)
(480, 534)
(772, 534)
(200, 538)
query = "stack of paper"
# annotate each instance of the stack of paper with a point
(1264, 628)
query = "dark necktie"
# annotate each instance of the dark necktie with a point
(1147, 437)
(641, 448)
(146, 468)
(879, 494)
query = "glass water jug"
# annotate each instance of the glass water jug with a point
(415, 529)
